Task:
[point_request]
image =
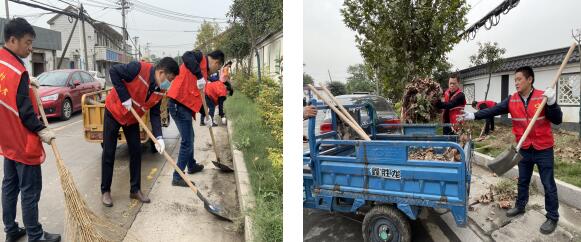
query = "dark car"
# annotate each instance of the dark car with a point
(61, 91)
(383, 108)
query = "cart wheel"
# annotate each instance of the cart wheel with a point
(386, 223)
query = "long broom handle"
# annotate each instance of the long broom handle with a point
(341, 108)
(542, 106)
(55, 150)
(165, 154)
(341, 116)
(329, 94)
(207, 111)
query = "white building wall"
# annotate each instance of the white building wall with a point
(543, 78)
(63, 25)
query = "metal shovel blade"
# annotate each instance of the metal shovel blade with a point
(505, 161)
(222, 167)
(213, 209)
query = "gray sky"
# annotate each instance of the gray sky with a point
(140, 24)
(534, 25)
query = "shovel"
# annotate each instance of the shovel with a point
(216, 163)
(212, 208)
(510, 157)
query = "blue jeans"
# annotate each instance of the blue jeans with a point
(182, 116)
(544, 159)
(26, 180)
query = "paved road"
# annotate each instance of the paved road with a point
(84, 161)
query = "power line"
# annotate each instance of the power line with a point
(173, 12)
(490, 20)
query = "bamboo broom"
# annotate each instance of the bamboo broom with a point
(81, 224)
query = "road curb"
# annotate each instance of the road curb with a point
(245, 194)
(569, 194)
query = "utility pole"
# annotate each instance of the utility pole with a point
(330, 79)
(7, 13)
(577, 38)
(82, 14)
(123, 3)
(136, 49)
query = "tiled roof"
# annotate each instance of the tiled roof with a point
(539, 59)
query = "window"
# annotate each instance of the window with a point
(469, 92)
(86, 77)
(568, 89)
(76, 77)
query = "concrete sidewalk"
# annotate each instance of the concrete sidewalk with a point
(491, 224)
(176, 214)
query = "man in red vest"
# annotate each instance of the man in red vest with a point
(141, 86)
(489, 126)
(538, 146)
(20, 139)
(185, 101)
(453, 104)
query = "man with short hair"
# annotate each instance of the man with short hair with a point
(453, 104)
(139, 86)
(538, 146)
(489, 126)
(185, 100)
(20, 139)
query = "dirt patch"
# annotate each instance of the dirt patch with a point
(177, 207)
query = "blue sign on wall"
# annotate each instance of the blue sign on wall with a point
(113, 56)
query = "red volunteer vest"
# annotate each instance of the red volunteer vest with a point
(541, 136)
(184, 87)
(216, 89)
(137, 89)
(488, 103)
(16, 141)
(454, 112)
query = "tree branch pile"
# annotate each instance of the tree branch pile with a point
(419, 96)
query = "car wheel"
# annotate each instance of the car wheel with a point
(66, 109)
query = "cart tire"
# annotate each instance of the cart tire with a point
(386, 223)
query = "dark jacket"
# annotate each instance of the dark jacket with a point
(25, 110)
(456, 101)
(128, 72)
(553, 112)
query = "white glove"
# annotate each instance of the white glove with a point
(208, 120)
(201, 83)
(551, 96)
(160, 146)
(465, 116)
(34, 82)
(128, 104)
(46, 135)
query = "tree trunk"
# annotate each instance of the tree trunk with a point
(487, 86)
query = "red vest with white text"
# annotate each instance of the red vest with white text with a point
(16, 141)
(137, 89)
(184, 88)
(541, 136)
(454, 112)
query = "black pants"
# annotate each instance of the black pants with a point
(489, 126)
(110, 134)
(26, 180)
(545, 161)
(212, 107)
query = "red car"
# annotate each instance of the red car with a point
(61, 91)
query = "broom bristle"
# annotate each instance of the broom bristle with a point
(82, 224)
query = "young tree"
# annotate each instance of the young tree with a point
(206, 38)
(404, 39)
(337, 88)
(307, 79)
(489, 54)
(360, 79)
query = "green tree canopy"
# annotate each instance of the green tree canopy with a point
(360, 79)
(337, 88)
(404, 39)
(206, 37)
(307, 79)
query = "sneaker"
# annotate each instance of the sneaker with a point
(197, 168)
(20, 232)
(549, 226)
(48, 237)
(181, 183)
